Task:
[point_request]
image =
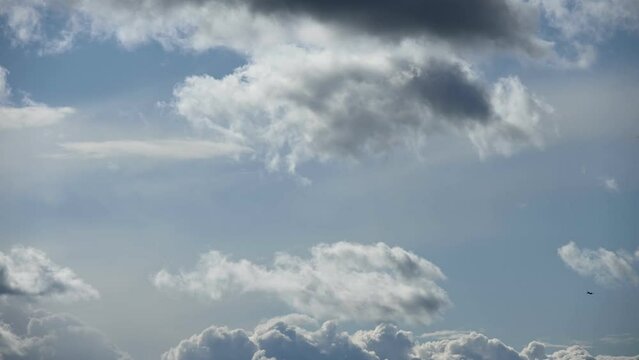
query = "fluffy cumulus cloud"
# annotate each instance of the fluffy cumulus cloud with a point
(341, 280)
(28, 272)
(29, 334)
(608, 268)
(294, 104)
(288, 338)
(30, 114)
(323, 84)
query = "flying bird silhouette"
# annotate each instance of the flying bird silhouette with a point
(588, 292)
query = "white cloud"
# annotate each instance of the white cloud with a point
(5, 90)
(31, 114)
(295, 104)
(606, 267)
(593, 19)
(341, 280)
(173, 149)
(581, 25)
(616, 339)
(279, 339)
(610, 184)
(39, 335)
(579, 353)
(26, 271)
(521, 120)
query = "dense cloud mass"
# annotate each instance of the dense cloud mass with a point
(504, 22)
(27, 334)
(606, 267)
(294, 104)
(237, 23)
(288, 338)
(31, 114)
(341, 280)
(337, 80)
(29, 272)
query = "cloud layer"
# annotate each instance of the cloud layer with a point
(341, 280)
(607, 268)
(291, 338)
(26, 271)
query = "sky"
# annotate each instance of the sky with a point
(279, 179)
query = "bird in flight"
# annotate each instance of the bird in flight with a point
(588, 292)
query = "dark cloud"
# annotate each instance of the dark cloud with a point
(451, 93)
(503, 21)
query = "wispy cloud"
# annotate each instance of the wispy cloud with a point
(610, 184)
(180, 149)
(31, 114)
(606, 267)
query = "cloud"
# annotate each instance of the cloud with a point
(606, 267)
(617, 339)
(184, 149)
(40, 335)
(31, 114)
(341, 280)
(501, 21)
(247, 24)
(590, 19)
(579, 353)
(191, 23)
(294, 104)
(611, 185)
(26, 271)
(279, 339)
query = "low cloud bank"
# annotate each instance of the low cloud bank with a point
(297, 337)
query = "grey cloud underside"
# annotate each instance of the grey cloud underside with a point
(28, 272)
(503, 21)
(288, 338)
(293, 104)
(342, 280)
(450, 92)
(28, 334)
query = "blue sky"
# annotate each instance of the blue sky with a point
(136, 139)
